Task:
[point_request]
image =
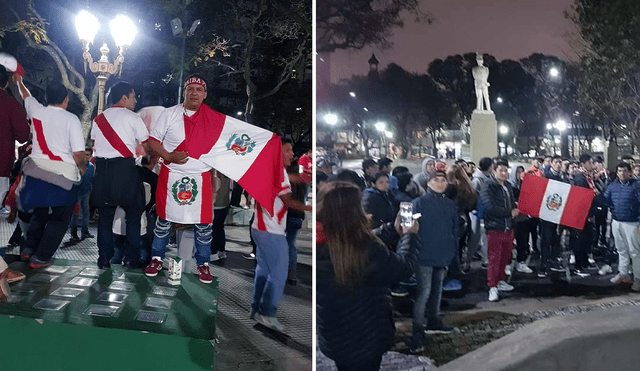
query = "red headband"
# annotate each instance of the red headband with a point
(195, 80)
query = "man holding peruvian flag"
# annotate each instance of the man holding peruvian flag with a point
(192, 139)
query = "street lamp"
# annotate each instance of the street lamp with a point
(499, 100)
(553, 72)
(380, 126)
(123, 31)
(331, 118)
(504, 130)
(352, 94)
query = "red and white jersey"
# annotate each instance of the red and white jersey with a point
(169, 130)
(56, 132)
(277, 223)
(116, 132)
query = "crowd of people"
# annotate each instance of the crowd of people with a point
(464, 212)
(141, 200)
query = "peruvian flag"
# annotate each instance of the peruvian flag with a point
(554, 201)
(248, 154)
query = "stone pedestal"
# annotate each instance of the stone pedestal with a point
(484, 136)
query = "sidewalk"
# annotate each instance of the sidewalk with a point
(240, 343)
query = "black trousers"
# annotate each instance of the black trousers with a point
(550, 242)
(600, 232)
(46, 230)
(217, 230)
(523, 231)
(580, 242)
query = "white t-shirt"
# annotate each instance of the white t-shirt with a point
(169, 130)
(128, 127)
(277, 223)
(56, 133)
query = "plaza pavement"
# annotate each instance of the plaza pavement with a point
(240, 343)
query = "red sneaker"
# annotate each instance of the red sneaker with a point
(204, 275)
(153, 268)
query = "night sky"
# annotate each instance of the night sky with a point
(506, 29)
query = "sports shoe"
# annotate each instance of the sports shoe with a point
(36, 263)
(581, 272)
(292, 278)
(484, 265)
(605, 269)
(250, 256)
(556, 266)
(218, 256)
(26, 254)
(523, 268)
(74, 238)
(419, 349)
(11, 276)
(619, 279)
(154, 267)
(438, 329)
(503, 286)
(493, 294)
(507, 269)
(399, 291)
(542, 273)
(87, 235)
(451, 284)
(5, 291)
(636, 285)
(270, 322)
(204, 275)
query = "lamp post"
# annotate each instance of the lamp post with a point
(504, 130)
(381, 127)
(123, 31)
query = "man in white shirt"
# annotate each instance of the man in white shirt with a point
(272, 254)
(117, 180)
(57, 142)
(170, 140)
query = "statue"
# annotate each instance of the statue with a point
(481, 75)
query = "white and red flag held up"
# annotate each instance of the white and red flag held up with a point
(554, 201)
(248, 154)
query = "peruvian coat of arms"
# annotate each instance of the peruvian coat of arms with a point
(554, 202)
(185, 190)
(240, 144)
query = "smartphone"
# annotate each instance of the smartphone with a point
(406, 214)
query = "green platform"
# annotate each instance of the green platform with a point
(69, 339)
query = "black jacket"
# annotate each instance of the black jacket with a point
(356, 324)
(380, 205)
(498, 203)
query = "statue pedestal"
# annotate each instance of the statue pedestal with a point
(484, 135)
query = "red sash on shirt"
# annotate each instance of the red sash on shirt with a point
(112, 137)
(42, 141)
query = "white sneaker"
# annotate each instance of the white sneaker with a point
(215, 257)
(503, 286)
(270, 322)
(493, 294)
(508, 269)
(522, 268)
(605, 269)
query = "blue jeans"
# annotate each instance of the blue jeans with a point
(105, 234)
(429, 296)
(293, 227)
(83, 202)
(202, 242)
(272, 258)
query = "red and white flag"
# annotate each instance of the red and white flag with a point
(554, 201)
(248, 154)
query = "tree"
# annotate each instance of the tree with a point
(609, 84)
(344, 24)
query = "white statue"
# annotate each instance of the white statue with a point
(481, 75)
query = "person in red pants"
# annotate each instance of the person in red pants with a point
(499, 204)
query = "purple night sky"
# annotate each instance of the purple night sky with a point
(506, 29)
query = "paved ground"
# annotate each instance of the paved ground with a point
(241, 344)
